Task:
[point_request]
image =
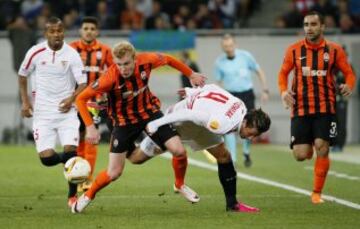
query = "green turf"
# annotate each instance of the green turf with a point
(33, 196)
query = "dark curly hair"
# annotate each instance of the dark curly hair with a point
(259, 119)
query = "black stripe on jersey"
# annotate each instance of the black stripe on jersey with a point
(88, 63)
(295, 84)
(326, 87)
(304, 80)
(98, 63)
(315, 56)
(112, 105)
(135, 105)
(124, 101)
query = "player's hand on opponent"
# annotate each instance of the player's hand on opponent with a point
(65, 104)
(197, 79)
(151, 128)
(345, 90)
(26, 110)
(182, 92)
(287, 98)
(92, 135)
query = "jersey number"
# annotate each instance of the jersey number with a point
(218, 97)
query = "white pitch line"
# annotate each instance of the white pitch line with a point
(271, 183)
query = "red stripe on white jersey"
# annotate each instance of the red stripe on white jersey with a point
(32, 56)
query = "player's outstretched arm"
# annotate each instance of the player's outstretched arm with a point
(198, 117)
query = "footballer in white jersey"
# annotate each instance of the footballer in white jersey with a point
(55, 77)
(201, 119)
(209, 110)
(56, 69)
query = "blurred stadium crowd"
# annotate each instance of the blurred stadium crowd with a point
(178, 14)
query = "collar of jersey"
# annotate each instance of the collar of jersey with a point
(58, 51)
(321, 44)
(94, 45)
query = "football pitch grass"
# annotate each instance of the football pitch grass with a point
(33, 196)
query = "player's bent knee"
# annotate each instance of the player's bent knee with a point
(115, 174)
(50, 160)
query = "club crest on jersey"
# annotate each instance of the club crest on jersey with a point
(326, 57)
(64, 63)
(95, 84)
(115, 143)
(214, 125)
(143, 75)
(98, 55)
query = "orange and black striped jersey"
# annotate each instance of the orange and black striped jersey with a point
(129, 99)
(95, 56)
(314, 82)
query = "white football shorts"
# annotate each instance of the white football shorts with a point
(45, 132)
(197, 137)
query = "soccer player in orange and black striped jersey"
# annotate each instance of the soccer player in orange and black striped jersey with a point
(96, 57)
(131, 105)
(312, 95)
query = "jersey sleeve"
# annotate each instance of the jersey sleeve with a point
(28, 64)
(343, 65)
(77, 69)
(253, 65)
(286, 67)
(161, 59)
(109, 60)
(102, 85)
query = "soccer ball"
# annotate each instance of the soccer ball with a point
(77, 170)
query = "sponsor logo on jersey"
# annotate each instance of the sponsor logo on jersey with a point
(326, 57)
(92, 68)
(64, 63)
(306, 71)
(143, 75)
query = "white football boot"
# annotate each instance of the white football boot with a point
(188, 193)
(82, 202)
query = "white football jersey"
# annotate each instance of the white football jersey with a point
(55, 76)
(219, 111)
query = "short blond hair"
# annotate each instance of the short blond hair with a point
(122, 48)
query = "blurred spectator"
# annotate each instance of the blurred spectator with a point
(145, 7)
(105, 19)
(205, 20)
(346, 24)
(354, 8)
(22, 37)
(42, 18)
(157, 16)
(304, 6)
(130, 17)
(9, 10)
(325, 7)
(185, 57)
(280, 23)
(181, 17)
(71, 20)
(30, 9)
(329, 21)
(226, 10)
(245, 9)
(293, 18)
